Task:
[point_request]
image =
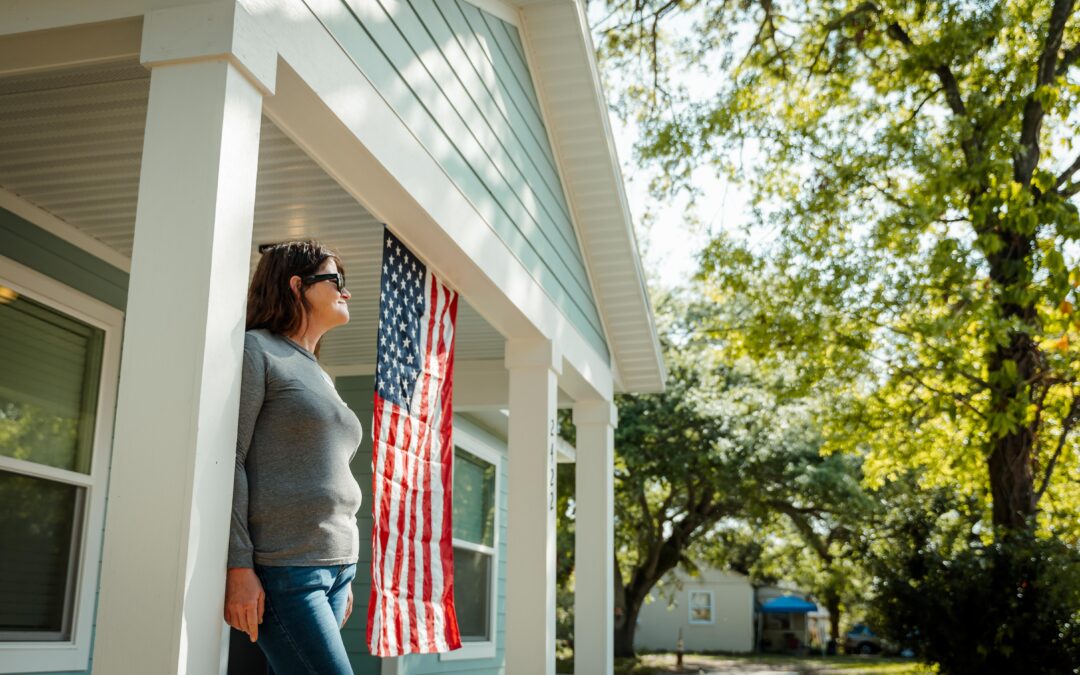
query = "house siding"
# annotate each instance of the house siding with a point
(458, 78)
(44, 252)
(357, 392)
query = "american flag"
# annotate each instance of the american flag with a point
(411, 608)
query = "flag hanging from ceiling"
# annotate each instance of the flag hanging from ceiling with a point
(411, 607)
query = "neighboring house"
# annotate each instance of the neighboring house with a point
(146, 148)
(713, 611)
(721, 611)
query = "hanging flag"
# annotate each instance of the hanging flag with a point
(411, 607)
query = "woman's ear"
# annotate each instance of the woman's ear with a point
(295, 283)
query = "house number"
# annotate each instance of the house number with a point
(551, 467)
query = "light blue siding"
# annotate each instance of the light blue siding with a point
(50, 255)
(458, 77)
(358, 393)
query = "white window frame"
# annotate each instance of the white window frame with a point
(690, 607)
(478, 443)
(74, 653)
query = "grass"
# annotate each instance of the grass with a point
(661, 664)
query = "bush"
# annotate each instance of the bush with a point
(1008, 607)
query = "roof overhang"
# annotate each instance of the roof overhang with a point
(562, 58)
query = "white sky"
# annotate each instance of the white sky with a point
(671, 244)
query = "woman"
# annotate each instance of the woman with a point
(294, 542)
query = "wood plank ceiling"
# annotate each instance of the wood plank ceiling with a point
(71, 143)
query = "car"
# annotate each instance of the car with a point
(862, 640)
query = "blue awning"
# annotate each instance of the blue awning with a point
(788, 604)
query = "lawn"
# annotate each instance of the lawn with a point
(658, 664)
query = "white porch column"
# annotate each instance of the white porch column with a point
(594, 538)
(163, 572)
(530, 533)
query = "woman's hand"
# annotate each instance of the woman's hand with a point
(244, 601)
(348, 608)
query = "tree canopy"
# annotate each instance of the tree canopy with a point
(914, 237)
(911, 262)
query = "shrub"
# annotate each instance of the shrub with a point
(1012, 606)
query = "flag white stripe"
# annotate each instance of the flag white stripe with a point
(418, 557)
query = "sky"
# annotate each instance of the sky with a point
(670, 244)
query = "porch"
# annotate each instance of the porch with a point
(167, 143)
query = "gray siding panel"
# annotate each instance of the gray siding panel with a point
(458, 78)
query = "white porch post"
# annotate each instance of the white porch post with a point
(166, 532)
(534, 368)
(594, 538)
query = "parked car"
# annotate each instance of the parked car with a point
(862, 640)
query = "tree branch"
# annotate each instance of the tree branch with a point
(1071, 417)
(1067, 173)
(798, 519)
(959, 398)
(1068, 58)
(1027, 156)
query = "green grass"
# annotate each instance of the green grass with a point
(660, 664)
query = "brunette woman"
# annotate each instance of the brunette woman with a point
(294, 541)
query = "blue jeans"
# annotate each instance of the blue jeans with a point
(301, 629)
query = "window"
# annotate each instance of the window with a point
(476, 467)
(55, 425)
(701, 609)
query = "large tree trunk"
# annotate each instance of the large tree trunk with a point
(624, 632)
(1012, 484)
(832, 603)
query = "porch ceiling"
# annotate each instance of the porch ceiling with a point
(71, 143)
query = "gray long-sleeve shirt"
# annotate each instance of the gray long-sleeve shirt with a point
(294, 498)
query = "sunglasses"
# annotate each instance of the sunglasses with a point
(337, 277)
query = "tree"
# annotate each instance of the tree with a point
(721, 443)
(914, 164)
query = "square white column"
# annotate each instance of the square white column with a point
(170, 487)
(594, 538)
(530, 533)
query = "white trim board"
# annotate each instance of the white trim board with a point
(59, 228)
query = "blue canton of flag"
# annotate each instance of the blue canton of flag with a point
(401, 298)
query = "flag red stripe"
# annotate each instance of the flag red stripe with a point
(446, 423)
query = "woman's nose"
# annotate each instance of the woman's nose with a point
(345, 293)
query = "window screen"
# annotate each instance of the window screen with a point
(474, 538)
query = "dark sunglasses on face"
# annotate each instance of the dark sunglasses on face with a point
(337, 277)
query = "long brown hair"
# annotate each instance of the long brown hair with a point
(271, 303)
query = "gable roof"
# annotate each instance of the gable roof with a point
(561, 52)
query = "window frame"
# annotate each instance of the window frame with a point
(484, 448)
(73, 654)
(690, 608)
